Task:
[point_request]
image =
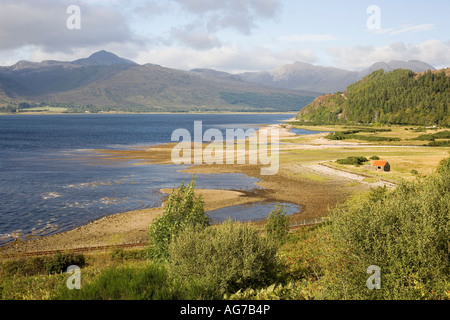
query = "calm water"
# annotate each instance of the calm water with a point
(249, 212)
(45, 188)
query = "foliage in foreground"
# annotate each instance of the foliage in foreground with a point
(406, 233)
(182, 209)
(58, 263)
(228, 258)
(277, 225)
(148, 282)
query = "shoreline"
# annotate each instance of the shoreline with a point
(313, 197)
(145, 113)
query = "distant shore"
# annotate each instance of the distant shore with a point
(138, 113)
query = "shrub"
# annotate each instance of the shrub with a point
(406, 233)
(374, 158)
(43, 265)
(24, 267)
(60, 262)
(357, 161)
(181, 210)
(122, 255)
(277, 225)
(228, 257)
(126, 283)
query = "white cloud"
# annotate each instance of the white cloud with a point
(27, 23)
(312, 37)
(231, 59)
(408, 28)
(194, 38)
(413, 28)
(434, 52)
(240, 15)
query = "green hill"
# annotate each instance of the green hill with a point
(397, 97)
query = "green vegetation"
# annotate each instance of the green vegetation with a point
(42, 265)
(356, 161)
(275, 101)
(149, 282)
(182, 210)
(396, 97)
(352, 134)
(443, 139)
(277, 225)
(226, 258)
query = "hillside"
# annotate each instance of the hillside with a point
(304, 76)
(396, 97)
(105, 82)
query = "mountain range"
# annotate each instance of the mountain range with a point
(109, 82)
(304, 76)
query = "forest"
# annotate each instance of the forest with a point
(399, 97)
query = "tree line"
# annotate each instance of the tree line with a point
(398, 97)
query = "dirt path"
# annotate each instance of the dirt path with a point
(337, 173)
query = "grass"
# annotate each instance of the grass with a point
(407, 135)
(45, 109)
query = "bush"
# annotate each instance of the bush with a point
(406, 233)
(24, 267)
(374, 158)
(126, 283)
(277, 225)
(357, 161)
(43, 265)
(60, 262)
(181, 210)
(227, 258)
(122, 255)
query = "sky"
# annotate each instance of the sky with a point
(228, 35)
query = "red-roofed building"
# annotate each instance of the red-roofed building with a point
(379, 166)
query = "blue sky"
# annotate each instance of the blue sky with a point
(229, 35)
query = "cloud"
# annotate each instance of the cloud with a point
(240, 15)
(434, 52)
(194, 38)
(413, 28)
(226, 58)
(43, 24)
(408, 28)
(312, 37)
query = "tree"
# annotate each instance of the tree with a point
(181, 210)
(277, 225)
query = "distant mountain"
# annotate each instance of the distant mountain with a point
(109, 82)
(304, 76)
(103, 58)
(395, 97)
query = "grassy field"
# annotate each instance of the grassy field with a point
(408, 158)
(47, 109)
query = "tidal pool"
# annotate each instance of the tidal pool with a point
(250, 212)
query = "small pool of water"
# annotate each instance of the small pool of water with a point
(250, 212)
(303, 131)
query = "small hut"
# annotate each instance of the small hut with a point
(379, 166)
